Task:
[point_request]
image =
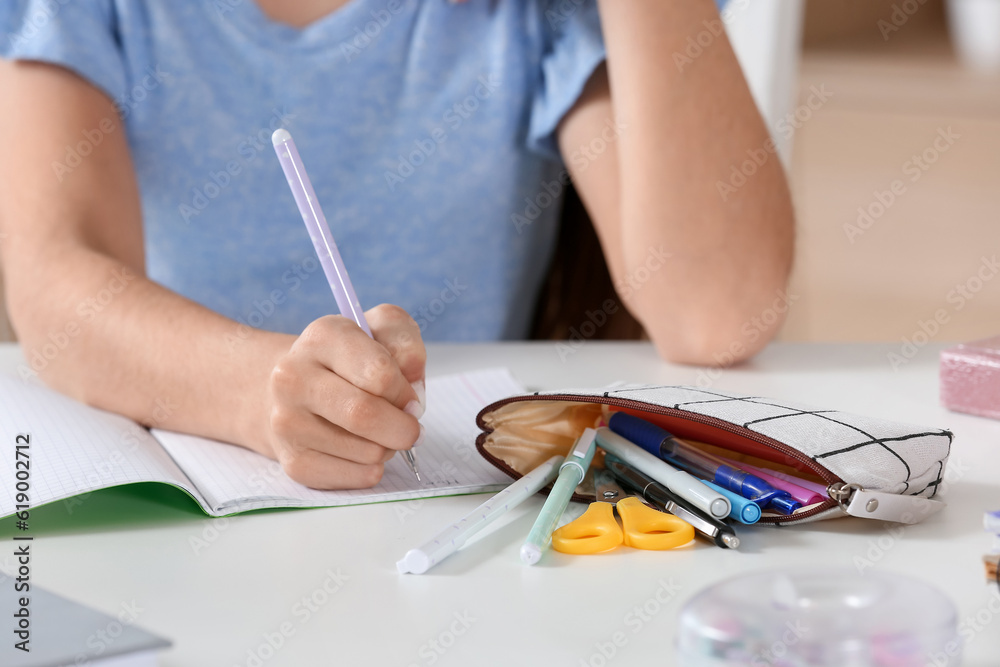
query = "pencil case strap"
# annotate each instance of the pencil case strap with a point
(868, 504)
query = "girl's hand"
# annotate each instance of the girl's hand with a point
(340, 405)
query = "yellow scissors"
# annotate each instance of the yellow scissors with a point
(642, 526)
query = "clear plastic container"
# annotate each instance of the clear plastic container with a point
(813, 617)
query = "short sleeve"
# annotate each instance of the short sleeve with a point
(574, 49)
(79, 35)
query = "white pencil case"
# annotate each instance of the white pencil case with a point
(871, 468)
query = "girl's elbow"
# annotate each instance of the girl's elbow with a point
(711, 340)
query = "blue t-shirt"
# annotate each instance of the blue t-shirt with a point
(428, 129)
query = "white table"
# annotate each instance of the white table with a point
(483, 606)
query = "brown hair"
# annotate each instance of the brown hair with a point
(578, 282)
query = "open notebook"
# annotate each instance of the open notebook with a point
(75, 449)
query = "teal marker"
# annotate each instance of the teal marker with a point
(571, 473)
(743, 510)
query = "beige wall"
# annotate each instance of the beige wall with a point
(891, 98)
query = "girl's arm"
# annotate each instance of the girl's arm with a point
(647, 143)
(327, 404)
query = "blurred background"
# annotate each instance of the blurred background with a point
(893, 163)
(914, 101)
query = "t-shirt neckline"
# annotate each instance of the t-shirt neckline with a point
(324, 33)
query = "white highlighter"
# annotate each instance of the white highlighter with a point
(451, 539)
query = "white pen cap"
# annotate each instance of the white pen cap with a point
(280, 136)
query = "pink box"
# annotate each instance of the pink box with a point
(970, 377)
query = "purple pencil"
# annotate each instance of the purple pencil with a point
(322, 239)
(319, 230)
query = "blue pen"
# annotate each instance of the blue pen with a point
(661, 443)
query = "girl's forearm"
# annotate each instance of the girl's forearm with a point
(686, 123)
(101, 332)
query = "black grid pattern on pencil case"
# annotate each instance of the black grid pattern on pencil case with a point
(869, 441)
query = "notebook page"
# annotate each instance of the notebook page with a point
(233, 479)
(74, 448)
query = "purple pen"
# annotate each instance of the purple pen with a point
(319, 230)
(326, 248)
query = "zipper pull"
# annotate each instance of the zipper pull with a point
(857, 501)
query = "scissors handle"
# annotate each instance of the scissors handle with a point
(594, 531)
(647, 528)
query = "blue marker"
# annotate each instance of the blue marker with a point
(744, 510)
(661, 443)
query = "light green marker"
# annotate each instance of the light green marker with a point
(571, 473)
